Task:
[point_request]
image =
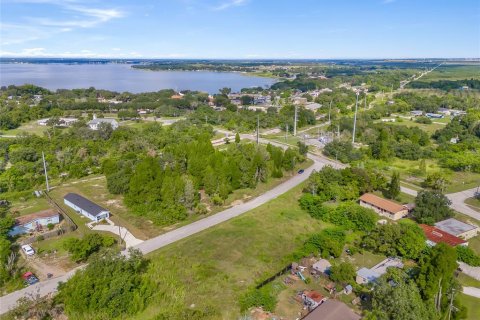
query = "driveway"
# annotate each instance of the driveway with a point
(458, 202)
(127, 236)
(473, 272)
(472, 291)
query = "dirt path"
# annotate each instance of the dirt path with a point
(41, 269)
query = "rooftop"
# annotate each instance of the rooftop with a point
(332, 310)
(22, 220)
(438, 236)
(454, 226)
(100, 120)
(381, 268)
(314, 295)
(381, 203)
(85, 204)
(368, 274)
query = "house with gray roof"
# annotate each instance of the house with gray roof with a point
(94, 124)
(458, 228)
(86, 207)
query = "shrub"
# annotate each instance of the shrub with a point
(50, 226)
(467, 255)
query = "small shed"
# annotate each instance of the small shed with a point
(322, 266)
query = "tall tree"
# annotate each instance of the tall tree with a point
(431, 206)
(394, 186)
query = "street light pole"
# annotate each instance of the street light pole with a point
(258, 127)
(295, 123)
(355, 117)
(329, 110)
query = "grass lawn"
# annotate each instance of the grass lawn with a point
(30, 205)
(474, 203)
(429, 128)
(453, 72)
(467, 281)
(472, 304)
(215, 267)
(30, 127)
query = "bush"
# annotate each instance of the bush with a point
(467, 255)
(50, 226)
(265, 297)
(424, 120)
(81, 249)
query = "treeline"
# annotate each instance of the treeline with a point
(166, 186)
(446, 85)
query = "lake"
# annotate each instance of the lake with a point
(121, 77)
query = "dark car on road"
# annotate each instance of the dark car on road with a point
(301, 171)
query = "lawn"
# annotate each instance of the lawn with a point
(30, 127)
(453, 72)
(30, 205)
(467, 281)
(213, 268)
(429, 128)
(474, 203)
(472, 304)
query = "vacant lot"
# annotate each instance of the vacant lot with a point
(454, 72)
(215, 267)
(472, 303)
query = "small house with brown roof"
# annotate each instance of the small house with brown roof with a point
(312, 299)
(35, 221)
(383, 207)
(435, 235)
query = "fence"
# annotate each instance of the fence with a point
(46, 235)
(71, 225)
(264, 282)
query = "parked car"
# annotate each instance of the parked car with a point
(28, 250)
(30, 278)
(301, 171)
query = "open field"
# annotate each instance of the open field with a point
(429, 128)
(473, 203)
(30, 127)
(472, 303)
(454, 72)
(224, 261)
(29, 205)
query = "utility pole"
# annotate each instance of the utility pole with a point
(365, 99)
(355, 118)
(286, 132)
(329, 110)
(45, 169)
(258, 128)
(295, 123)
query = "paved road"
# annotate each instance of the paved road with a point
(472, 291)
(458, 202)
(46, 287)
(127, 236)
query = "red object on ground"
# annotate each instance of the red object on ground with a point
(27, 275)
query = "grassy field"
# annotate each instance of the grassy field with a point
(29, 205)
(472, 304)
(453, 72)
(474, 203)
(429, 128)
(222, 262)
(30, 127)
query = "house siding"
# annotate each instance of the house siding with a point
(102, 215)
(393, 216)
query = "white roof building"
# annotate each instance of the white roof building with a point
(458, 228)
(95, 122)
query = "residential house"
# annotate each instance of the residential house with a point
(416, 113)
(322, 266)
(365, 275)
(312, 299)
(332, 310)
(86, 207)
(458, 228)
(435, 115)
(383, 207)
(435, 235)
(94, 124)
(313, 106)
(444, 111)
(300, 101)
(35, 221)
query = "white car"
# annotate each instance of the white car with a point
(28, 250)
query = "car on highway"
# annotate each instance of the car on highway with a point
(301, 171)
(28, 250)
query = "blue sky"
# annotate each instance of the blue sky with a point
(240, 28)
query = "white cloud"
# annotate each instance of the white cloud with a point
(229, 4)
(388, 1)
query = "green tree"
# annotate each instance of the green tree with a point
(431, 206)
(343, 272)
(393, 190)
(401, 301)
(237, 138)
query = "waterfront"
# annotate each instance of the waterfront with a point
(121, 77)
